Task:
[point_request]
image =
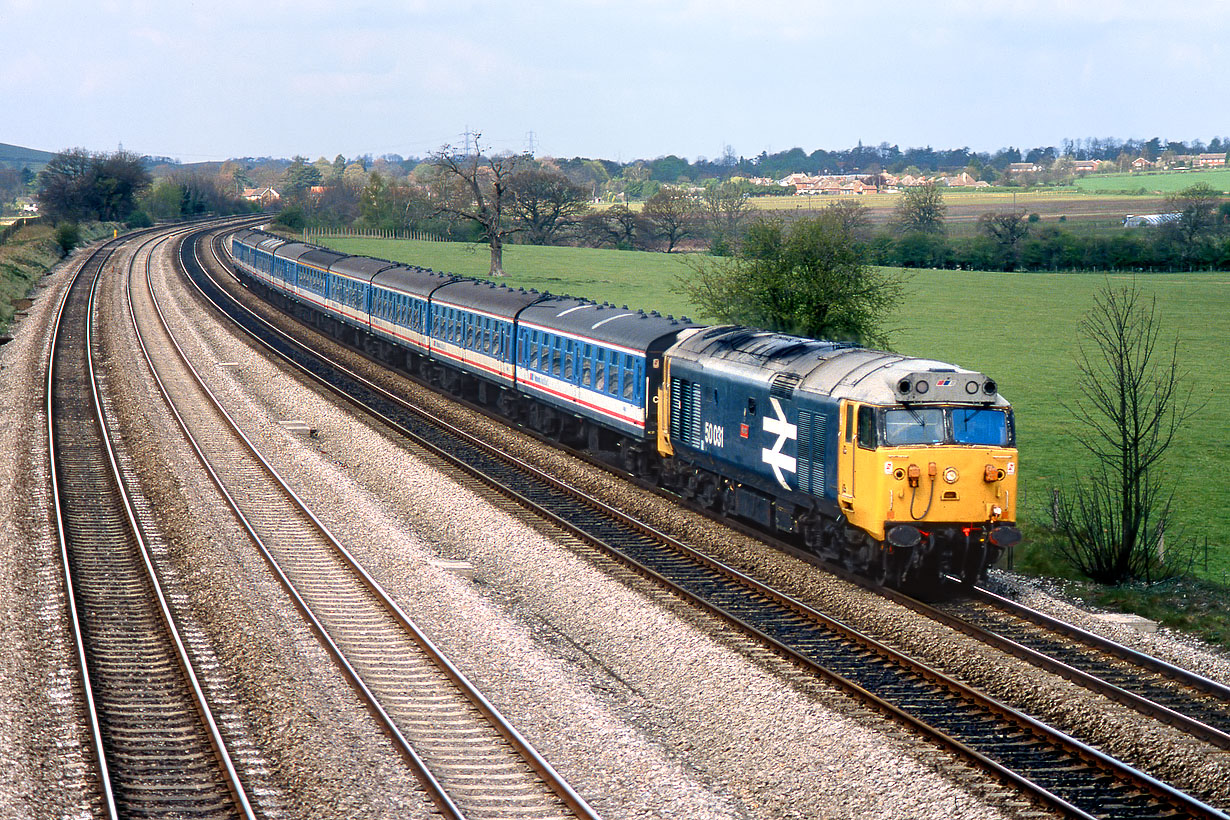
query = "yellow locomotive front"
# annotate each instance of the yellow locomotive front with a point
(931, 477)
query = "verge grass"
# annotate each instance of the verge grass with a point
(1019, 328)
(27, 256)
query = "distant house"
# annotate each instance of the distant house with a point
(1140, 164)
(794, 180)
(1209, 160)
(27, 205)
(266, 196)
(1085, 166)
(1023, 168)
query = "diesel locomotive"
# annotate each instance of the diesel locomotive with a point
(903, 470)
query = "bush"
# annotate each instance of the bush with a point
(292, 218)
(68, 236)
(139, 219)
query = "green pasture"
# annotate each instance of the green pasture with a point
(1162, 182)
(633, 278)
(1020, 328)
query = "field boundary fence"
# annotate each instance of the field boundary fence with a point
(370, 233)
(7, 232)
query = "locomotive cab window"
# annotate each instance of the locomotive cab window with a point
(913, 425)
(867, 427)
(981, 425)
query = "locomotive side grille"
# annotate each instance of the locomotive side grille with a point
(811, 452)
(685, 412)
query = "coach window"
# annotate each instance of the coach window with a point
(867, 427)
(612, 375)
(569, 355)
(587, 366)
(629, 378)
(556, 357)
(600, 371)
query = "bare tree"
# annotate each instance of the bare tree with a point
(1130, 404)
(921, 209)
(476, 187)
(618, 226)
(673, 214)
(725, 207)
(545, 202)
(853, 218)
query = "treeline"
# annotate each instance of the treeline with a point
(79, 185)
(1053, 248)
(1194, 236)
(538, 203)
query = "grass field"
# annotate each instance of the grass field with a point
(1158, 183)
(1019, 328)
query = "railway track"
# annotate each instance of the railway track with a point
(1190, 702)
(471, 761)
(1057, 769)
(157, 747)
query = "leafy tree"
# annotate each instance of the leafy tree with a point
(76, 185)
(1130, 403)
(546, 202)
(117, 179)
(921, 209)
(63, 185)
(672, 214)
(163, 199)
(1197, 209)
(809, 278)
(475, 187)
(1006, 229)
(298, 180)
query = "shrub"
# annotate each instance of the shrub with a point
(68, 236)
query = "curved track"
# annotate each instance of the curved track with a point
(159, 753)
(471, 761)
(1057, 769)
(1191, 703)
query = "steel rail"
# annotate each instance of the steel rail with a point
(168, 620)
(1079, 749)
(533, 758)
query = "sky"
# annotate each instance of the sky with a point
(612, 79)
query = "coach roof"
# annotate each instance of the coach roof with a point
(604, 323)
(360, 267)
(486, 296)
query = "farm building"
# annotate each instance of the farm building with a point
(1139, 220)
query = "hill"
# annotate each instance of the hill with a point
(16, 157)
